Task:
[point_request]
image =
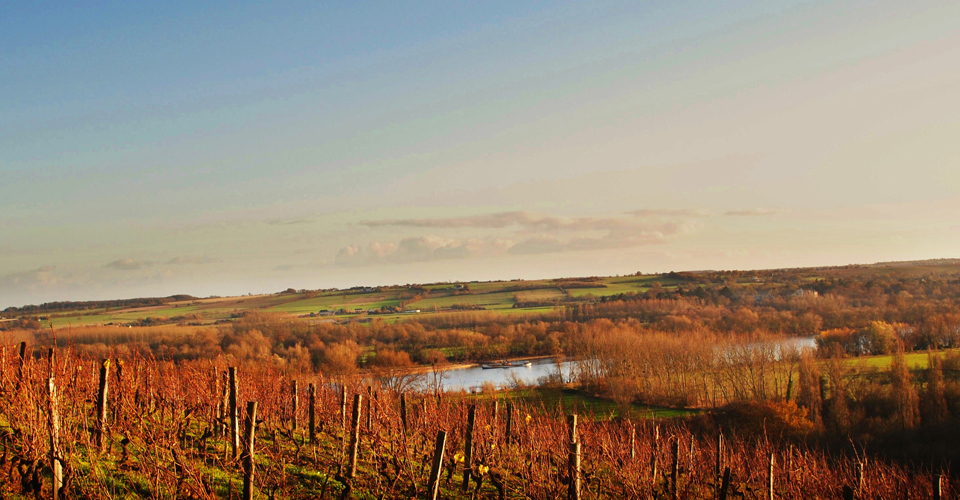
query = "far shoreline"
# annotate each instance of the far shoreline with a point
(464, 366)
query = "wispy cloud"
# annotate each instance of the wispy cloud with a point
(21, 287)
(128, 264)
(753, 212)
(44, 275)
(489, 221)
(419, 249)
(535, 221)
(188, 260)
(669, 212)
(289, 222)
(523, 233)
(612, 240)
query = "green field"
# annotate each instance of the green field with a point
(541, 295)
(625, 284)
(68, 321)
(915, 360)
(499, 300)
(497, 296)
(610, 289)
(203, 310)
(334, 300)
(562, 401)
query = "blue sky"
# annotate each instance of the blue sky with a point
(226, 148)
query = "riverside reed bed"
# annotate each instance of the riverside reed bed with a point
(144, 428)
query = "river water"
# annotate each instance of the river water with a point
(472, 378)
(784, 344)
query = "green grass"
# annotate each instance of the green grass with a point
(334, 301)
(612, 289)
(565, 401)
(498, 300)
(623, 284)
(93, 319)
(916, 360)
(541, 295)
(491, 286)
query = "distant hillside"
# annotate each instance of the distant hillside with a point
(53, 307)
(525, 297)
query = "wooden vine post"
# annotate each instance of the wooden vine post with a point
(56, 465)
(572, 427)
(770, 476)
(675, 469)
(23, 360)
(118, 392)
(312, 413)
(847, 492)
(295, 403)
(376, 410)
(468, 446)
(574, 458)
(574, 493)
(403, 412)
(216, 410)
(224, 404)
(102, 404)
(343, 412)
(249, 433)
(433, 487)
(354, 436)
(788, 467)
(234, 414)
(509, 427)
(52, 359)
(858, 489)
(719, 465)
(369, 408)
(725, 484)
(148, 388)
(654, 453)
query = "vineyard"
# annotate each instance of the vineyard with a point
(75, 427)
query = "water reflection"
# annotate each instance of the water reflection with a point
(502, 378)
(474, 377)
(779, 347)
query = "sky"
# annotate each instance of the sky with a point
(150, 149)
